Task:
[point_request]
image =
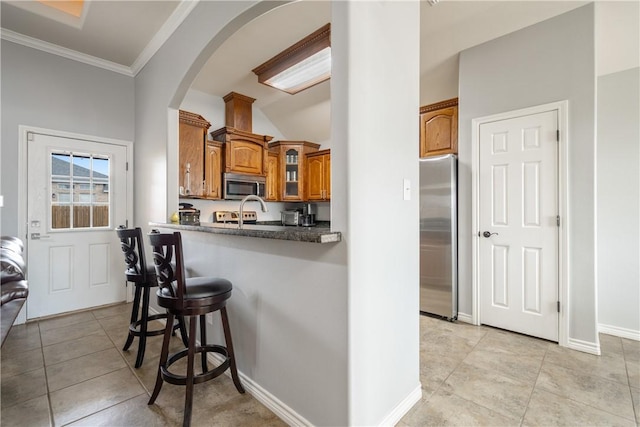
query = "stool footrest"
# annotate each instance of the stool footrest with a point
(172, 378)
(134, 328)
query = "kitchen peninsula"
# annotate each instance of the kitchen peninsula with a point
(267, 231)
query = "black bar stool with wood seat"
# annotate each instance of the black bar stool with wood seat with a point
(189, 297)
(143, 277)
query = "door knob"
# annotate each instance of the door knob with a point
(488, 234)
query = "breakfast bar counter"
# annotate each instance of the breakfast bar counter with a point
(266, 231)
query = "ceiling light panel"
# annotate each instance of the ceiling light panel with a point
(305, 64)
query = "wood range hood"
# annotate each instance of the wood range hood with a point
(243, 152)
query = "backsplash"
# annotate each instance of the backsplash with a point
(208, 207)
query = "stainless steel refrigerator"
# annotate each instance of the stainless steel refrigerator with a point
(438, 236)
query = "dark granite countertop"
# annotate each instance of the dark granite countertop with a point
(318, 234)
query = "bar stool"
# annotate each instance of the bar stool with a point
(143, 278)
(192, 297)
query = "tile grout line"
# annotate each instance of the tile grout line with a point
(114, 346)
(464, 398)
(52, 421)
(526, 408)
(477, 403)
(626, 368)
(121, 353)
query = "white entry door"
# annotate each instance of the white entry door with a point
(77, 196)
(518, 214)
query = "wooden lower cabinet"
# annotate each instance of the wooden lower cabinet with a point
(439, 128)
(273, 176)
(213, 170)
(319, 176)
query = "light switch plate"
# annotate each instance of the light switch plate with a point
(406, 188)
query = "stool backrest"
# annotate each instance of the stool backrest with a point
(133, 249)
(169, 263)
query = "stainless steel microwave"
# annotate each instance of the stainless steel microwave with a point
(237, 186)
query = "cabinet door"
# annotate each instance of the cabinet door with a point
(273, 175)
(292, 174)
(318, 177)
(245, 157)
(327, 176)
(439, 132)
(213, 172)
(191, 158)
(315, 177)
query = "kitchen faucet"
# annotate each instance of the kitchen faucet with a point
(263, 205)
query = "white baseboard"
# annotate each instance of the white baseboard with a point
(619, 332)
(465, 318)
(403, 407)
(584, 346)
(286, 414)
(274, 404)
(291, 417)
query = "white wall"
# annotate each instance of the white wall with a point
(289, 308)
(550, 61)
(374, 97)
(47, 91)
(212, 108)
(618, 189)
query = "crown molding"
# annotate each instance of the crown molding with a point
(179, 14)
(34, 43)
(182, 11)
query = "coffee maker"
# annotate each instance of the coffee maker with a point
(308, 217)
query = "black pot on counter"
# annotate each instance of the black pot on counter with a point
(188, 214)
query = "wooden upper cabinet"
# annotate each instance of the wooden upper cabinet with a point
(439, 128)
(244, 152)
(319, 175)
(292, 167)
(193, 131)
(273, 176)
(213, 170)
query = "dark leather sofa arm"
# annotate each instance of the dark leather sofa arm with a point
(13, 286)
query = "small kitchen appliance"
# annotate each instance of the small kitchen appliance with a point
(188, 215)
(248, 217)
(308, 217)
(290, 217)
(303, 217)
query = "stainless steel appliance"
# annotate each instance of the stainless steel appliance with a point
(237, 186)
(438, 236)
(248, 217)
(290, 217)
(188, 215)
(304, 216)
(308, 218)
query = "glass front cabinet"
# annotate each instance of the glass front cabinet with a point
(292, 156)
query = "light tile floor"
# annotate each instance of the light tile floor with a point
(70, 370)
(484, 376)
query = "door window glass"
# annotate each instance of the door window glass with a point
(79, 190)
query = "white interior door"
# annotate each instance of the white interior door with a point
(518, 214)
(77, 196)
